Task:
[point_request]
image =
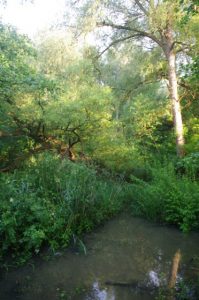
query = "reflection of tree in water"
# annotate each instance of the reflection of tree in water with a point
(173, 274)
(149, 285)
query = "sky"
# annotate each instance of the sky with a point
(29, 18)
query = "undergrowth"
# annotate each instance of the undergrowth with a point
(169, 197)
(48, 202)
(51, 200)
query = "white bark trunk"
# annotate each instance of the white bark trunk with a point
(177, 116)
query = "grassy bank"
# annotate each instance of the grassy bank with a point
(49, 201)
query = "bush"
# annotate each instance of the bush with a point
(189, 165)
(167, 198)
(49, 201)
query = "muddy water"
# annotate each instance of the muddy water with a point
(126, 259)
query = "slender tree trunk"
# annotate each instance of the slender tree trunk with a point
(168, 45)
(177, 116)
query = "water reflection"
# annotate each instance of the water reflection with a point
(134, 256)
(101, 294)
(154, 279)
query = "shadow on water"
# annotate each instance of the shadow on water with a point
(128, 258)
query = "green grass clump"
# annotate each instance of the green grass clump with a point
(169, 198)
(49, 201)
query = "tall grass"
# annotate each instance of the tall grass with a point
(49, 201)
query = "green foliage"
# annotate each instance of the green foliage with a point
(55, 94)
(167, 198)
(15, 52)
(190, 93)
(49, 201)
(189, 165)
(22, 92)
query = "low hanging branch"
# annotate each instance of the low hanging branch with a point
(71, 143)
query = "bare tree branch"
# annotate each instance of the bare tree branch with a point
(142, 7)
(116, 42)
(116, 26)
(137, 32)
(141, 83)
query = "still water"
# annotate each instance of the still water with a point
(126, 259)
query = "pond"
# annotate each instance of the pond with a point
(125, 259)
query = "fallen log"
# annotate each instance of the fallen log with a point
(133, 284)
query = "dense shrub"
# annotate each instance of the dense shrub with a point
(49, 201)
(168, 198)
(189, 165)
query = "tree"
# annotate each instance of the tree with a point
(14, 72)
(23, 91)
(155, 21)
(137, 92)
(82, 106)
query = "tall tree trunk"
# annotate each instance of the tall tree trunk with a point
(177, 116)
(168, 45)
